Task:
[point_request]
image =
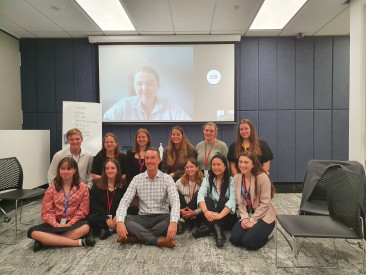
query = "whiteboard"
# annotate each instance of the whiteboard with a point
(87, 117)
(32, 149)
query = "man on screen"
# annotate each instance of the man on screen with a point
(145, 105)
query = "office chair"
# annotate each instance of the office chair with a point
(11, 177)
(345, 220)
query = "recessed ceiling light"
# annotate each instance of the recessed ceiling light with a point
(109, 15)
(275, 14)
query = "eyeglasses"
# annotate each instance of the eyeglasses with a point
(189, 167)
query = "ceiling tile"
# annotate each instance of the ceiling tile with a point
(14, 29)
(340, 25)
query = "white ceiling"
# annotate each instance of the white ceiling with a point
(65, 19)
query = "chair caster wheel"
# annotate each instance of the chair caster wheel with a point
(7, 219)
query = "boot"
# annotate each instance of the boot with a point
(163, 242)
(130, 239)
(219, 235)
(201, 230)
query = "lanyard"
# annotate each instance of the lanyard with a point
(141, 163)
(77, 159)
(190, 197)
(66, 200)
(106, 156)
(244, 147)
(110, 203)
(206, 157)
(216, 188)
(249, 202)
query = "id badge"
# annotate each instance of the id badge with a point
(109, 216)
(205, 172)
(63, 221)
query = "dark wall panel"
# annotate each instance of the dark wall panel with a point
(323, 73)
(64, 72)
(248, 97)
(267, 130)
(340, 134)
(285, 73)
(341, 73)
(322, 134)
(45, 54)
(28, 75)
(304, 141)
(30, 121)
(304, 73)
(83, 71)
(286, 158)
(48, 121)
(267, 73)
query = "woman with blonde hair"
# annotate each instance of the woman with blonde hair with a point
(176, 153)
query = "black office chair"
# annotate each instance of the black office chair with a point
(318, 179)
(11, 177)
(345, 220)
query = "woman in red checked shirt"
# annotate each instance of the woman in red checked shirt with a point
(64, 209)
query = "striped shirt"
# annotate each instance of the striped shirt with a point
(188, 191)
(155, 196)
(53, 206)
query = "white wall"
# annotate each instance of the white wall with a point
(10, 94)
(357, 114)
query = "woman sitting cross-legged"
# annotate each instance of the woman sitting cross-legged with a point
(188, 186)
(217, 200)
(64, 210)
(254, 191)
(104, 199)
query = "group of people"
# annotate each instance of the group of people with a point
(146, 199)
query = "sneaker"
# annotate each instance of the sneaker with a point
(202, 230)
(104, 234)
(37, 246)
(180, 228)
(88, 240)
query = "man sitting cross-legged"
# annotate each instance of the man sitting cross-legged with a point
(156, 191)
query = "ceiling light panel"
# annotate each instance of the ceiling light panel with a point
(275, 14)
(109, 15)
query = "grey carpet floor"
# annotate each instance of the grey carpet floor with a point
(190, 256)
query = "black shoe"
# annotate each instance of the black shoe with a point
(219, 235)
(37, 246)
(202, 230)
(180, 228)
(104, 234)
(88, 240)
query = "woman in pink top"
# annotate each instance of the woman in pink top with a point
(64, 210)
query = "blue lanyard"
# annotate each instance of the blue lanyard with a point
(77, 159)
(66, 200)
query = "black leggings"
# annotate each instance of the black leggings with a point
(226, 222)
(252, 238)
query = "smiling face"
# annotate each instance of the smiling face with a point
(110, 170)
(218, 167)
(245, 165)
(152, 161)
(66, 172)
(191, 169)
(141, 139)
(209, 133)
(110, 144)
(75, 142)
(146, 87)
(244, 130)
(176, 137)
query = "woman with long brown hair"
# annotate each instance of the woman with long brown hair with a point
(64, 209)
(104, 199)
(188, 186)
(110, 150)
(247, 141)
(176, 153)
(254, 194)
